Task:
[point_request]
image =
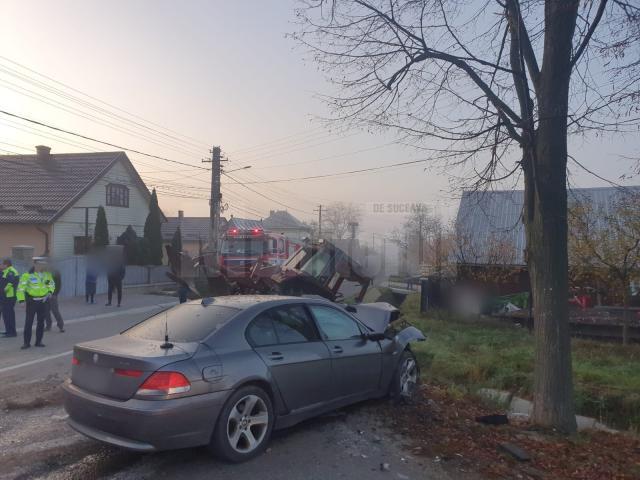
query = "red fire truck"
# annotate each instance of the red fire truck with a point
(241, 250)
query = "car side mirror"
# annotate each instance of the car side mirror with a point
(351, 308)
(375, 336)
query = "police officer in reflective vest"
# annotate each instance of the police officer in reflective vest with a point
(35, 288)
(8, 284)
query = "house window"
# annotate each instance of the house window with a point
(117, 195)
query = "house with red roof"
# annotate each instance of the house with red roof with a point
(49, 200)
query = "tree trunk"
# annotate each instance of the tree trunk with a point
(546, 224)
(626, 300)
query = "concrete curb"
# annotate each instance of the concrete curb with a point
(521, 409)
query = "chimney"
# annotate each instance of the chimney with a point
(43, 152)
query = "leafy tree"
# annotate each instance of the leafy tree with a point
(129, 240)
(605, 243)
(153, 232)
(485, 87)
(337, 218)
(176, 240)
(101, 231)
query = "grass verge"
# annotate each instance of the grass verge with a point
(475, 353)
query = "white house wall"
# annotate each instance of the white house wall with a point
(72, 222)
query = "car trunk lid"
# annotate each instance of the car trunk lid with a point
(116, 366)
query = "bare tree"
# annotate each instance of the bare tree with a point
(605, 243)
(427, 233)
(338, 216)
(495, 87)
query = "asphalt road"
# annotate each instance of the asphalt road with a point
(35, 441)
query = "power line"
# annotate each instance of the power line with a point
(75, 111)
(262, 195)
(259, 146)
(327, 175)
(200, 142)
(68, 132)
(330, 157)
(274, 153)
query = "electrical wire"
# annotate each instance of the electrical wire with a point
(104, 142)
(87, 116)
(197, 144)
(327, 175)
(262, 195)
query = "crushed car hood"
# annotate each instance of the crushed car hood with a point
(377, 316)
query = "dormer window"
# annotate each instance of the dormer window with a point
(117, 195)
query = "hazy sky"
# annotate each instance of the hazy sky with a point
(222, 73)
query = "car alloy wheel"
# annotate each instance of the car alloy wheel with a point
(247, 424)
(408, 377)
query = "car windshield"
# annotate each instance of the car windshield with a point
(184, 323)
(243, 246)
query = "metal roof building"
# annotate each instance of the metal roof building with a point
(490, 218)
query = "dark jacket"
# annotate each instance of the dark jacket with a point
(58, 282)
(116, 274)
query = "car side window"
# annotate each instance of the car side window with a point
(293, 325)
(333, 324)
(261, 331)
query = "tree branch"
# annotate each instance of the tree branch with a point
(589, 34)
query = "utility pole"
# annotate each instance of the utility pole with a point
(353, 226)
(319, 210)
(384, 255)
(420, 240)
(214, 204)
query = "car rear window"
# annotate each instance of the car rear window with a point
(184, 323)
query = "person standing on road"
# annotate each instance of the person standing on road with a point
(9, 279)
(35, 288)
(53, 307)
(115, 275)
(90, 284)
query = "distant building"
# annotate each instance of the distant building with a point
(195, 231)
(490, 234)
(44, 199)
(281, 221)
(492, 220)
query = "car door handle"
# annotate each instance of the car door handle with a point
(276, 356)
(337, 349)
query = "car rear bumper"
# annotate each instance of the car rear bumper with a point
(144, 425)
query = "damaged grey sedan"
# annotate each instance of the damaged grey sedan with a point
(226, 372)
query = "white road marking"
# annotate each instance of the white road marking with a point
(145, 309)
(33, 362)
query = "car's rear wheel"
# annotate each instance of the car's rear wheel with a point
(407, 378)
(244, 426)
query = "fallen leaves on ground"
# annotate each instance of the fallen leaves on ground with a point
(441, 425)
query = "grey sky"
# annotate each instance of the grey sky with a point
(221, 72)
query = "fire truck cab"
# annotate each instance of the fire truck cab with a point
(241, 250)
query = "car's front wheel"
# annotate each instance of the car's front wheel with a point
(406, 380)
(244, 426)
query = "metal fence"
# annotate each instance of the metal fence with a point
(73, 275)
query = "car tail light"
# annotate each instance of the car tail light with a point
(128, 373)
(164, 383)
(75, 361)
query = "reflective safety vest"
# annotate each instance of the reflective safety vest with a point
(9, 290)
(36, 285)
